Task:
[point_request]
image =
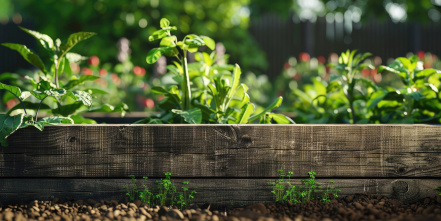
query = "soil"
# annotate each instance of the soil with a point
(358, 207)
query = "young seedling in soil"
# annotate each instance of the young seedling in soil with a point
(164, 194)
(284, 191)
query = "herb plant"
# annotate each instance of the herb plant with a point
(48, 86)
(221, 99)
(164, 194)
(284, 191)
(417, 101)
(349, 68)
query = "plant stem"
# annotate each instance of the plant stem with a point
(186, 84)
(36, 115)
(56, 74)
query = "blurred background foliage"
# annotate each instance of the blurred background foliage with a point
(292, 49)
(226, 21)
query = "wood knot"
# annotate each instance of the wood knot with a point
(400, 187)
(245, 141)
(72, 139)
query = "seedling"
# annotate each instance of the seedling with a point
(164, 194)
(284, 191)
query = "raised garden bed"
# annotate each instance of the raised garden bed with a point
(227, 163)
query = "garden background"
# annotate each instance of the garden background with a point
(281, 46)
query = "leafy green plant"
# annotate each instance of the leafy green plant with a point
(349, 68)
(439, 190)
(59, 54)
(184, 198)
(164, 194)
(133, 193)
(417, 101)
(217, 97)
(310, 189)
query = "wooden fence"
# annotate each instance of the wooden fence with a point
(227, 163)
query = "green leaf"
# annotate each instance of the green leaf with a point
(192, 116)
(75, 82)
(28, 55)
(74, 57)
(8, 125)
(159, 34)
(107, 108)
(375, 98)
(51, 92)
(56, 120)
(74, 39)
(94, 91)
(164, 23)
(245, 113)
(153, 55)
(209, 42)
(168, 42)
(281, 119)
(68, 109)
(272, 106)
(194, 42)
(82, 96)
(29, 106)
(13, 89)
(44, 39)
(386, 68)
(236, 80)
(78, 119)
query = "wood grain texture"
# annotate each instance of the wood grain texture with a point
(224, 151)
(217, 191)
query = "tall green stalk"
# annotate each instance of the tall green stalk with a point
(186, 84)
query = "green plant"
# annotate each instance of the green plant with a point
(417, 101)
(59, 55)
(221, 99)
(439, 190)
(165, 193)
(133, 193)
(349, 68)
(310, 189)
(166, 190)
(184, 199)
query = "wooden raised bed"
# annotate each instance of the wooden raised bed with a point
(228, 163)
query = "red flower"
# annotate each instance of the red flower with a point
(366, 72)
(87, 71)
(421, 55)
(11, 103)
(297, 77)
(139, 71)
(115, 79)
(94, 61)
(286, 66)
(103, 72)
(321, 59)
(161, 97)
(149, 103)
(304, 57)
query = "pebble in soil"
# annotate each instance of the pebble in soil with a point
(358, 207)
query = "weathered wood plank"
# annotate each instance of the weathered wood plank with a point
(217, 191)
(240, 151)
